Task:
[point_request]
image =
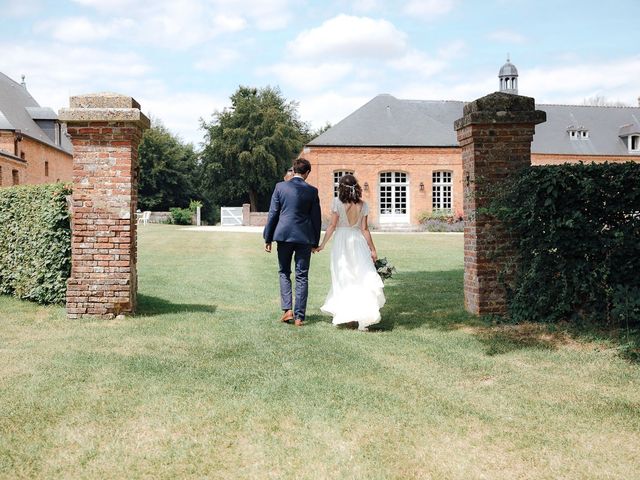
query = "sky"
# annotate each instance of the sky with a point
(182, 59)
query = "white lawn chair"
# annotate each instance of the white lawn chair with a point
(144, 217)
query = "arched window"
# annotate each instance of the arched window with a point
(337, 175)
(441, 192)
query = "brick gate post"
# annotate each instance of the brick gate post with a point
(105, 130)
(495, 134)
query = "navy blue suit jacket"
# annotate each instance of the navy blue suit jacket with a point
(294, 214)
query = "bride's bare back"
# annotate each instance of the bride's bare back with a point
(353, 211)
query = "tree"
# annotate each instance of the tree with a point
(167, 170)
(249, 146)
(602, 101)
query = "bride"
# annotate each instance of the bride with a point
(356, 294)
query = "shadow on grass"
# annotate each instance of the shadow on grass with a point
(436, 300)
(148, 305)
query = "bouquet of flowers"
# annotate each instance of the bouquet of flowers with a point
(384, 268)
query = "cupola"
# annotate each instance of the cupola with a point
(508, 78)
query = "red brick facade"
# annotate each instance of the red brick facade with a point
(41, 163)
(368, 163)
(105, 130)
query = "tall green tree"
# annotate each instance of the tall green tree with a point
(249, 146)
(168, 168)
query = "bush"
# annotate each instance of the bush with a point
(441, 222)
(181, 216)
(35, 242)
(577, 231)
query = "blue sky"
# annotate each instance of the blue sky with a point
(183, 59)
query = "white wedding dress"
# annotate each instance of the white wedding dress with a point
(356, 288)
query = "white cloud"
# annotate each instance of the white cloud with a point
(180, 111)
(217, 60)
(188, 23)
(307, 77)
(349, 36)
(366, 6)
(420, 63)
(615, 80)
(22, 8)
(507, 36)
(424, 65)
(428, 9)
(71, 29)
(53, 79)
(330, 107)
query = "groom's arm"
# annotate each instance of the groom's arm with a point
(316, 219)
(272, 219)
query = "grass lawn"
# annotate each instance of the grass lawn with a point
(205, 382)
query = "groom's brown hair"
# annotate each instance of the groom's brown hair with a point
(301, 166)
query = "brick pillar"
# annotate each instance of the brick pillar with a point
(495, 134)
(105, 130)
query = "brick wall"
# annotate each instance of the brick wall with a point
(105, 130)
(368, 162)
(8, 165)
(495, 134)
(36, 153)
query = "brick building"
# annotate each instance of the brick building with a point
(33, 145)
(406, 155)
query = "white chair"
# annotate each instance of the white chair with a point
(144, 217)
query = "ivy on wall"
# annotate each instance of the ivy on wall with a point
(576, 229)
(35, 242)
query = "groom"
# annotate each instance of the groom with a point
(294, 222)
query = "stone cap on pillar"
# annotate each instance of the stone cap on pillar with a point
(103, 107)
(500, 107)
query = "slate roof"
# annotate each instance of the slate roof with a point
(19, 110)
(388, 121)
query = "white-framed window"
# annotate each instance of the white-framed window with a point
(442, 186)
(573, 134)
(337, 175)
(584, 133)
(634, 143)
(393, 193)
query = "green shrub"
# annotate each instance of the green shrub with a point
(35, 242)
(181, 216)
(577, 240)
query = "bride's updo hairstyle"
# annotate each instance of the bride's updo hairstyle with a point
(349, 191)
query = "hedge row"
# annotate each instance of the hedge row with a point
(577, 230)
(35, 242)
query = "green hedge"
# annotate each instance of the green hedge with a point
(577, 230)
(35, 242)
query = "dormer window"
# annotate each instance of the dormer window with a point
(634, 143)
(577, 133)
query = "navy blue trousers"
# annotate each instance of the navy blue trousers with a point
(301, 254)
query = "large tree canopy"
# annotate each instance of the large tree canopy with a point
(167, 170)
(249, 146)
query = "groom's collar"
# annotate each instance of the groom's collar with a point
(298, 178)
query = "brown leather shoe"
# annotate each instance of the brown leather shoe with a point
(287, 316)
(299, 322)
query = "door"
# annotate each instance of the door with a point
(394, 197)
